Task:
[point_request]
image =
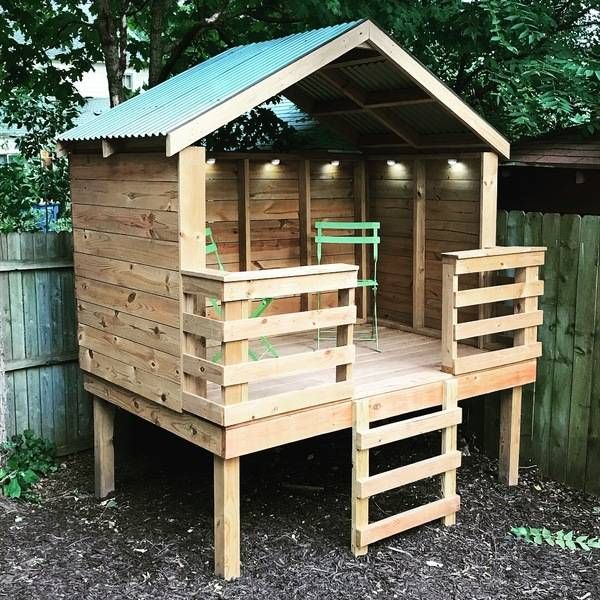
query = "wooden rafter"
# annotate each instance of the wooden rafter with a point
(380, 99)
(360, 97)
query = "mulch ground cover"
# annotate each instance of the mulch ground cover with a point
(155, 539)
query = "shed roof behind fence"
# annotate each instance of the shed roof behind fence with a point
(352, 77)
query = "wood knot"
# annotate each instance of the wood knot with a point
(163, 397)
(131, 297)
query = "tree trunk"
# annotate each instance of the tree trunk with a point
(113, 38)
(158, 10)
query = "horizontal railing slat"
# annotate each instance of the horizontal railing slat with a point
(501, 324)
(498, 293)
(259, 288)
(247, 372)
(229, 331)
(496, 358)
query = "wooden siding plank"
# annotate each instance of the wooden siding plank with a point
(134, 302)
(143, 251)
(146, 195)
(154, 280)
(157, 389)
(130, 327)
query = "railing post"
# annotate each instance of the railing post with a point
(449, 314)
(345, 334)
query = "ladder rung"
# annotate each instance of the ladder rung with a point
(401, 430)
(383, 482)
(407, 520)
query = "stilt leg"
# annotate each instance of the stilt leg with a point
(510, 433)
(449, 444)
(227, 517)
(104, 452)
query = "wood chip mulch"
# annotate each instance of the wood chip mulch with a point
(155, 540)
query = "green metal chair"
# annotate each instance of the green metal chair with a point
(372, 238)
(211, 248)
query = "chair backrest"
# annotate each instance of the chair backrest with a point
(211, 248)
(370, 227)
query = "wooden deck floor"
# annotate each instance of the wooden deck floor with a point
(406, 360)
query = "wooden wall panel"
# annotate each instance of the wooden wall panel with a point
(451, 222)
(274, 201)
(127, 271)
(390, 193)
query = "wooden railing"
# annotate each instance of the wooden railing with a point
(234, 371)
(524, 291)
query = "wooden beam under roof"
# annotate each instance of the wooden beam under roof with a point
(360, 97)
(379, 99)
(306, 103)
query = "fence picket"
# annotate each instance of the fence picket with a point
(547, 335)
(37, 308)
(585, 308)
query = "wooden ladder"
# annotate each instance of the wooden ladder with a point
(364, 486)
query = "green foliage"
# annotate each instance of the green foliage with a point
(26, 458)
(26, 183)
(258, 127)
(561, 539)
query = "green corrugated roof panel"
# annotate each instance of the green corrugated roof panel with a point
(173, 103)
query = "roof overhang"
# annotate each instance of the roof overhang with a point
(356, 80)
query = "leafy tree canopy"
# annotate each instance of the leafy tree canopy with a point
(528, 67)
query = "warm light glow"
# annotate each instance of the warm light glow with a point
(335, 163)
(211, 161)
(275, 161)
(452, 161)
(391, 163)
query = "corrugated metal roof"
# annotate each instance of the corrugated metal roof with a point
(194, 92)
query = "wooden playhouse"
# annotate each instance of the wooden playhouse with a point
(170, 334)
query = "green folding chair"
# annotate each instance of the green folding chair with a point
(369, 236)
(211, 248)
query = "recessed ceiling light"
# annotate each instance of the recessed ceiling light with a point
(211, 161)
(452, 161)
(390, 162)
(335, 163)
(275, 161)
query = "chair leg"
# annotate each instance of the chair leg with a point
(375, 324)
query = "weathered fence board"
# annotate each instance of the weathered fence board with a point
(560, 428)
(43, 383)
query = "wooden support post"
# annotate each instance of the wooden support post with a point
(360, 471)
(449, 444)
(510, 436)
(244, 216)
(510, 408)
(192, 242)
(419, 208)
(360, 252)
(304, 214)
(104, 451)
(449, 315)
(227, 471)
(488, 210)
(227, 516)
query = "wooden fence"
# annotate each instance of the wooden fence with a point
(561, 412)
(41, 381)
